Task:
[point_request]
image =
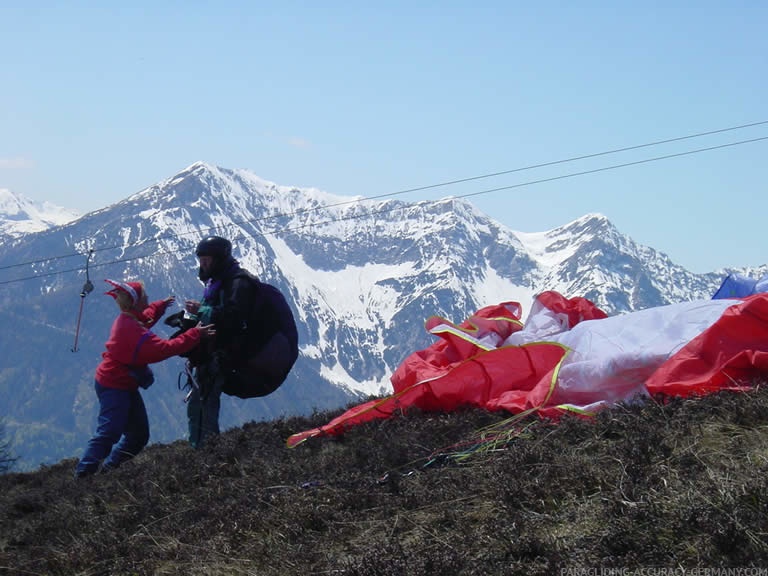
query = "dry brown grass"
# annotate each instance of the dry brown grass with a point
(677, 484)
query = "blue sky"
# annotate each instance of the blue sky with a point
(99, 100)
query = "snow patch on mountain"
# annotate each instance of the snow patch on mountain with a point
(354, 294)
(340, 377)
(488, 286)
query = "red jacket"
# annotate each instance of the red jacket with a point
(132, 345)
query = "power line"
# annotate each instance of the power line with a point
(614, 167)
(406, 191)
(393, 208)
(574, 159)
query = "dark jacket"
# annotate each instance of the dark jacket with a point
(248, 315)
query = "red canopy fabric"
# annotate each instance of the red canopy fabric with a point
(570, 356)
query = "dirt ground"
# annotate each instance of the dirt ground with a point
(679, 485)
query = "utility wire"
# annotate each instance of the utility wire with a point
(615, 166)
(409, 190)
(393, 208)
(573, 159)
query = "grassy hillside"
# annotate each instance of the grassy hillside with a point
(676, 485)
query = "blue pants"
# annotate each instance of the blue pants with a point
(122, 432)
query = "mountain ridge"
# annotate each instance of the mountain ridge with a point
(362, 276)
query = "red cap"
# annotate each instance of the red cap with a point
(133, 289)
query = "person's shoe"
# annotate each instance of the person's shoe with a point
(80, 474)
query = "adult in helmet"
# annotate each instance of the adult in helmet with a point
(227, 299)
(256, 341)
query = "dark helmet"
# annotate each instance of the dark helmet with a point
(220, 249)
(216, 246)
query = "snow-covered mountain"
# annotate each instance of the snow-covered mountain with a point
(20, 215)
(362, 277)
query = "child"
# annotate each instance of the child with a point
(123, 427)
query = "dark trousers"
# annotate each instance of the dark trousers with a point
(122, 431)
(203, 406)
